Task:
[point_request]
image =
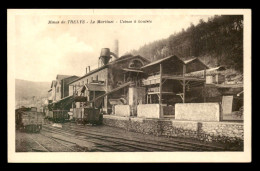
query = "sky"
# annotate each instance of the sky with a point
(44, 50)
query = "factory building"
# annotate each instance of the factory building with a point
(132, 86)
(109, 83)
(128, 83)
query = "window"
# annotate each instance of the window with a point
(87, 81)
(97, 77)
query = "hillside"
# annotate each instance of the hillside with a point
(216, 42)
(28, 91)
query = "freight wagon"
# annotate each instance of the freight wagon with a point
(60, 116)
(28, 119)
(88, 115)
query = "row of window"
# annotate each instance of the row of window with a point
(87, 81)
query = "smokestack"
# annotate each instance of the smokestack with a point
(116, 47)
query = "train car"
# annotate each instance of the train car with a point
(29, 120)
(60, 116)
(88, 115)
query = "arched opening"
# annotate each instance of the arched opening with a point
(136, 63)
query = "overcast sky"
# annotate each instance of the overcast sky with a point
(44, 50)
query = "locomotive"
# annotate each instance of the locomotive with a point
(28, 119)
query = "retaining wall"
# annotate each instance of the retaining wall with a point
(223, 132)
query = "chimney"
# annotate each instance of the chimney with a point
(88, 68)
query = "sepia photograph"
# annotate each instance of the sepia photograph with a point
(129, 85)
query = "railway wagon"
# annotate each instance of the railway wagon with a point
(60, 116)
(29, 120)
(88, 115)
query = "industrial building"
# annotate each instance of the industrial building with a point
(132, 86)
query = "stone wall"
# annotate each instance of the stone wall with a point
(223, 132)
(122, 110)
(197, 111)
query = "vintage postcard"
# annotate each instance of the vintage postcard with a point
(129, 85)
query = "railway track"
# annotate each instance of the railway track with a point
(165, 142)
(100, 145)
(40, 145)
(48, 145)
(122, 143)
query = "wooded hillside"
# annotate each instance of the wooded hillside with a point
(219, 41)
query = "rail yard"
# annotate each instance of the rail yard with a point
(130, 104)
(79, 138)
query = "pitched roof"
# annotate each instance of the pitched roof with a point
(189, 60)
(210, 71)
(53, 83)
(131, 70)
(96, 87)
(195, 59)
(162, 60)
(112, 91)
(60, 77)
(127, 57)
(174, 56)
(91, 72)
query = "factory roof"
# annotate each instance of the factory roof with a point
(211, 71)
(131, 70)
(96, 87)
(162, 60)
(60, 77)
(173, 57)
(123, 58)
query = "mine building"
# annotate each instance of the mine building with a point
(166, 84)
(132, 86)
(107, 85)
(224, 86)
(59, 92)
